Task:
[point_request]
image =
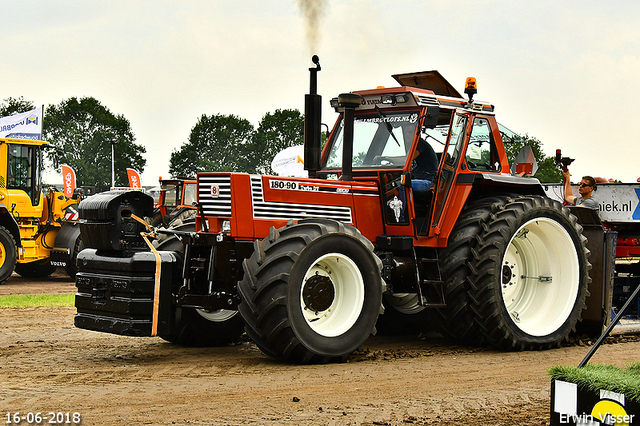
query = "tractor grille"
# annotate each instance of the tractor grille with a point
(214, 193)
(285, 211)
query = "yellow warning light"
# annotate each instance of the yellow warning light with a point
(471, 87)
(471, 84)
(380, 87)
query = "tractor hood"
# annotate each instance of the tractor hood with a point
(429, 80)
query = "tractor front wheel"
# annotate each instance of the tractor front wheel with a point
(311, 292)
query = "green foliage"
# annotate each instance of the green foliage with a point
(548, 171)
(594, 377)
(13, 106)
(29, 300)
(275, 132)
(229, 143)
(216, 143)
(81, 132)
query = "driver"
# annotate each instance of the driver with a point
(424, 167)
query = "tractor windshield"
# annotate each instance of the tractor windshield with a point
(380, 140)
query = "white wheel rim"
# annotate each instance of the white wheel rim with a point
(219, 315)
(342, 310)
(540, 277)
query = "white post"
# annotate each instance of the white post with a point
(113, 178)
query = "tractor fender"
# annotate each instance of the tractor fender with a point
(8, 221)
(487, 183)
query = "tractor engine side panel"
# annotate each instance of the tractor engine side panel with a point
(252, 204)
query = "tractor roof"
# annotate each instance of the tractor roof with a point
(429, 80)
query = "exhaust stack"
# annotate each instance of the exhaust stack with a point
(312, 122)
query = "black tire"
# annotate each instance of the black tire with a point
(403, 316)
(8, 254)
(457, 321)
(531, 274)
(71, 268)
(197, 327)
(311, 292)
(528, 272)
(38, 269)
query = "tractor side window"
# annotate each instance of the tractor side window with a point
(456, 140)
(171, 195)
(189, 193)
(480, 155)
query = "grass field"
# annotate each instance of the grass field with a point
(31, 300)
(602, 376)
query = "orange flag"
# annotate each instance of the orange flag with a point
(68, 180)
(134, 179)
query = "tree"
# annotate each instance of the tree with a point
(81, 132)
(216, 143)
(275, 132)
(13, 106)
(548, 171)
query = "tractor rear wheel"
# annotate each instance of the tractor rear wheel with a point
(311, 292)
(530, 271)
(516, 273)
(457, 321)
(8, 254)
(199, 327)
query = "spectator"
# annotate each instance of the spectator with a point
(586, 198)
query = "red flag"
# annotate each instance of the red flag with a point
(68, 180)
(134, 179)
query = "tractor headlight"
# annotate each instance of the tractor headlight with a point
(225, 226)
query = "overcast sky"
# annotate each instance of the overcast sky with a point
(565, 72)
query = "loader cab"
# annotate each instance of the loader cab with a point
(21, 168)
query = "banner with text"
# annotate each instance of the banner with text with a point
(68, 180)
(27, 125)
(134, 179)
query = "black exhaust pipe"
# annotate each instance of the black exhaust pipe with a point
(312, 122)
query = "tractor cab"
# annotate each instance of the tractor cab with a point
(389, 124)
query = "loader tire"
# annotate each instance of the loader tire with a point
(38, 269)
(199, 327)
(72, 269)
(311, 292)
(530, 275)
(8, 254)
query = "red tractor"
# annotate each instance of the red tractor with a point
(307, 265)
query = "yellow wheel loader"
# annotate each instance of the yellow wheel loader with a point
(31, 219)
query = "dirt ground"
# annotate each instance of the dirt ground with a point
(48, 365)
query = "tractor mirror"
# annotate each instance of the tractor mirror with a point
(431, 117)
